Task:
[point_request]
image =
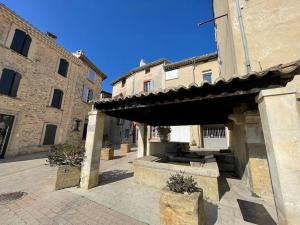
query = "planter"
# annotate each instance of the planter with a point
(181, 209)
(107, 154)
(67, 176)
(125, 148)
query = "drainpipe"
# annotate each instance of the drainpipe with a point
(244, 40)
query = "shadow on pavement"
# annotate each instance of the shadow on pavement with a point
(211, 212)
(114, 176)
(255, 213)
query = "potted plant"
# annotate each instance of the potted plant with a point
(163, 133)
(107, 152)
(68, 159)
(181, 201)
(125, 147)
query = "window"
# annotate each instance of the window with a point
(148, 86)
(50, 132)
(21, 42)
(57, 98)
(63, 67)
(173, 74)
(153, 132)
(9, 82)
(123, 82)
(147, 70)
(91, 75)
(88, 94)
(207, 76)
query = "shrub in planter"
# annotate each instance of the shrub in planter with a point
(125, 147)
(107, 152)
(68, 158)
(181, 201)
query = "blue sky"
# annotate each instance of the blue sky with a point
(116, 34)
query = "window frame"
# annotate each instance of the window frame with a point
(86, 98)
(14, 82)
(61, 73)
(24, 47)
(206, 73)
(94, 76)
(44, 134)
(61, 98)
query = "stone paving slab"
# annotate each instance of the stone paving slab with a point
(42, 205)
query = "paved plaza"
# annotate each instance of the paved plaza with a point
(118, 200)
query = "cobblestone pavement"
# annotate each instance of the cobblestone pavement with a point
(44, 206)
(118, 200)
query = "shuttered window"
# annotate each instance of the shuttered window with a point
(148, 86)
(9, 82)
(50, 132)
(88, 94)
(57, 98)
(21, 42)
(63, 67)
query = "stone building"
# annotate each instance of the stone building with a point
(44, 89)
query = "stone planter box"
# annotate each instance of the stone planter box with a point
(67, 176)
(125, 148)
(107, 154)
(181, 209)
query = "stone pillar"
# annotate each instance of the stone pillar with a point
(93, 144)
(258, 168)
(281, 126)
(142, 139)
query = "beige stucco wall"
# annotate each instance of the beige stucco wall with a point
(135, 82)
(193, 74)
(39, 78)
(272, 33)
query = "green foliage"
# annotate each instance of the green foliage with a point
(107, 144)
(182, 184)
(66, 154)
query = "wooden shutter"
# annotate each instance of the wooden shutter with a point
(57, 98)
(85, 94)
(18, 41)
(63, 67)
(26, 45)
(50, 132)
(151, 85)
(15, 85)
(6, 81)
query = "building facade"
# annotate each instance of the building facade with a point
(44, 89)
(256, 35)
(162, 75)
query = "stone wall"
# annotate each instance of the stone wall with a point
(149, 172)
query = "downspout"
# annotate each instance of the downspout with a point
(243, 35)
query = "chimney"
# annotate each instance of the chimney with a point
(142, 62)
(53, 36)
